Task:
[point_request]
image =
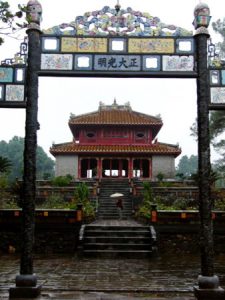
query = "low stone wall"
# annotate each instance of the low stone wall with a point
(173, 243)
(56, 231)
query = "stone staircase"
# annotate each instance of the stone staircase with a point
(107, 206)
(113, 240)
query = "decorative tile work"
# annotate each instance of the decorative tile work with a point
(92, 45)
(1, 92)
(108, 21)
(83, 45)
(223, 77)
(14, 92)
(218, 95)
(153, 45)
(69, 44)
(56, 61)
(178, 63)
(214, 77)
(6, 74)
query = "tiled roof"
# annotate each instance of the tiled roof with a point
(72, 148)
(115, 117)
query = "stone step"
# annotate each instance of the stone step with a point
(100, 217)
(116, 246)
(115, 216)
(118, 253)
(118, 227)
(113, 208)
(107, 205)
(116, 239)
(120, 234)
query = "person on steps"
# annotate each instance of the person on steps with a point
(119, 205)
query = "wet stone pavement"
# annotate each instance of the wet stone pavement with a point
(71, 277)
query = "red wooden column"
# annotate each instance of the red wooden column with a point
(130, 168)
(99, 174)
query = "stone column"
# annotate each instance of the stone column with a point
(208, 283)
(26, 282)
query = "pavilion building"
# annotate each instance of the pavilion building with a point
(115, 142)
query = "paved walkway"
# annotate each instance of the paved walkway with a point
(163, 276)
(70, 277)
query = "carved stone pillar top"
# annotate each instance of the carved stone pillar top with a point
(201, 18)
(34, 14)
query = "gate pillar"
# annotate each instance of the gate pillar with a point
(208, 283)
(26, 282)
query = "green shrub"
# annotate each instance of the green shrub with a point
(144, 209)
(61, 181)
(3, 182)
(82, 192)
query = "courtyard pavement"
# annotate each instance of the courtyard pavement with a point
(71, 277)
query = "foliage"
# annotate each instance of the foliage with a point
(175, 203)
(144, 209)
(160, 176)
(17, 190)
(219, 27)
(187, 166)
(5, 164)
(82, 197)
(44, 164)
(82, 193)
(3, 182)
(54, 201)
(147, 192)
(13, 150)
(61, 181)
(214, 176)
(9, 20)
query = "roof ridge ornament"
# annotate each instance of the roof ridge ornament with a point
(117, 22)
(117, 6)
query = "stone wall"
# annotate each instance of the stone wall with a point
(164, 165)
(46, 241)
(66, 164)
(56, 231)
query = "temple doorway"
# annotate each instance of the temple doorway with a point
(115, 168)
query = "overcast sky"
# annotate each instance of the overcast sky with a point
(173, 99)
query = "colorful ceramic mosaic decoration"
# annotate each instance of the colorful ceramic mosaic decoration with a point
(111, 21)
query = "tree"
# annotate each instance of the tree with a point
(5, 164)
(219, 27)
(187, 166)
(13, 150)
(9, 20)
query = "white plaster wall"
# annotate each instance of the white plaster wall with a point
(66, 164)
(164, 165)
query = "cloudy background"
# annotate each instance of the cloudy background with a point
(173, 99)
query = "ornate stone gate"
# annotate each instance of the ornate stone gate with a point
(114, 43)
